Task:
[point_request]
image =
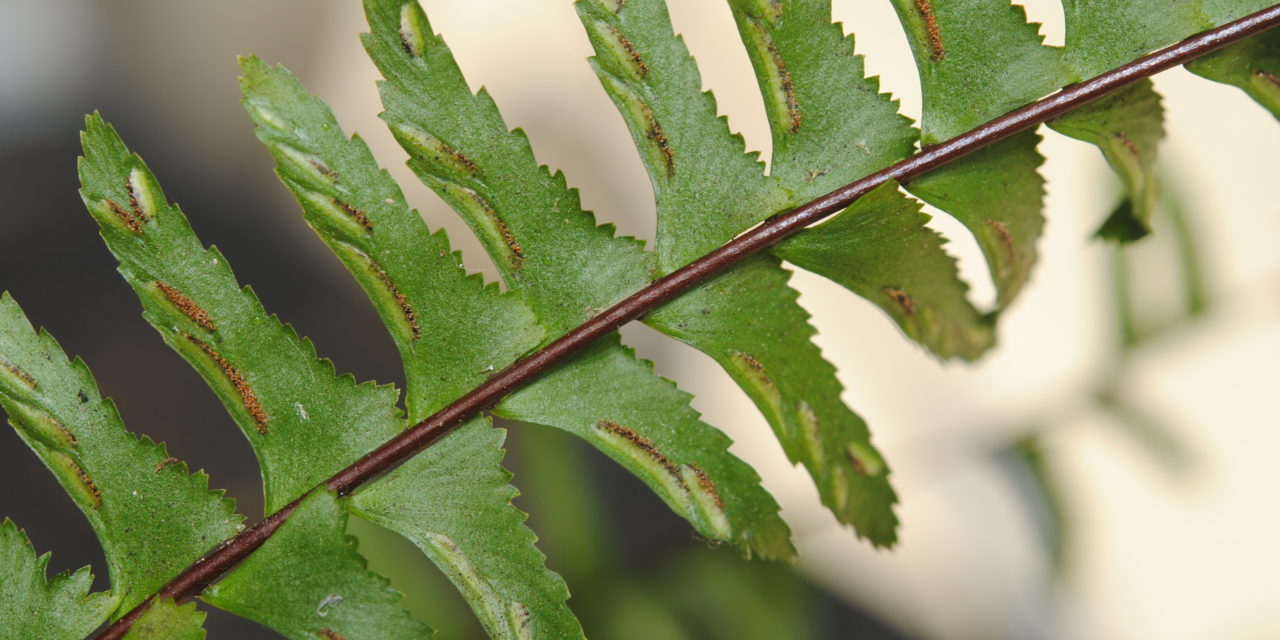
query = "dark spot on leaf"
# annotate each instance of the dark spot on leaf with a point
(931, 26)
(358, 215)
(133, 201)
(248, 398)
(1268, 76)
(88, 484)
(1128, 144)
(644, 444)
(642, 69)
(187, 306)
(402, 301)
(705, 482)
(654, 133)
(21, 375)
(903, 299)
(130, 222)
(1006, 238)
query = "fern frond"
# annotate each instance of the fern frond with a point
(33, 605)
(306, 407)
(707, 187)
(152, 517)
(747, 320)
(454, 502)
(528, 220)
(305, 423)
(424, 92)
(335, 597)
(451, 330)
(830, 127)
(166, 620)
(880, 249)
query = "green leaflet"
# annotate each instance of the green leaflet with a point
(692, 158)
(880, 249)
(529, 220)
(1253, 65)
(763, 340)
(468, 330)
(997, 193)
(304, 422)
(453, 501)
(568, 269)
(800, 394)
(326, 591)
(979, 59)
(451, 330)
(1127, 126)
(316, 423)
(152, 517)
(830, 124)
(35, 606)
(679, 457)
(1102, 37)
(165, 620)
(830, 127)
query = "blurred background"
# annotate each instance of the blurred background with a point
(1107, 472)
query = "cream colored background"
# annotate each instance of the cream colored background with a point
(1155, 558)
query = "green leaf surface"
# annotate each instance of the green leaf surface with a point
(528, 219)
(707, 187)
(304, 422)
(682, 459)
(453, 501)
(165, 620)
(979, 59)
(425, 92)
(1219, 12)
(830, 124)
(1108, 33)
(1253, 65)
(880, 249)
(152, 517)
(998, 194)
(307, 582)
(328, 421)
(761, 336)
(1127, 126)
(451, 330)
(697, 214)
(33, 605)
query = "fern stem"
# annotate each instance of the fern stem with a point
(222, 559)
